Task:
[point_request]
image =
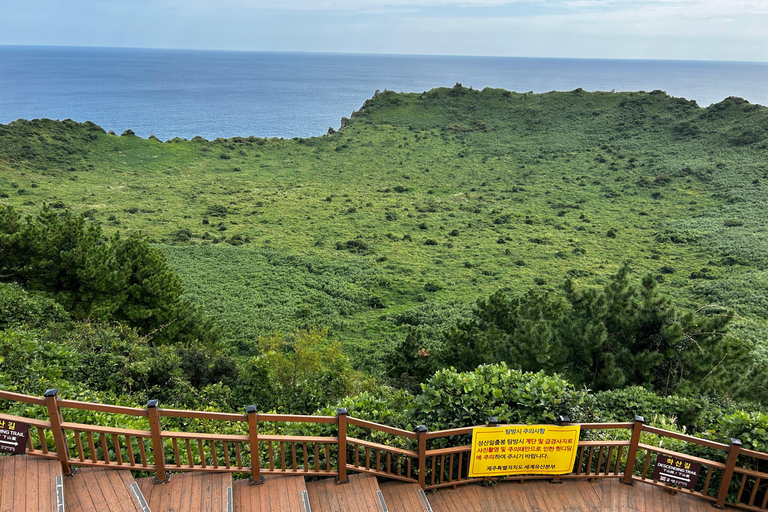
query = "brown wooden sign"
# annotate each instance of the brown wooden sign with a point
(671, 470)
(13, 436)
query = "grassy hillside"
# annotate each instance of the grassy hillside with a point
(426, 199)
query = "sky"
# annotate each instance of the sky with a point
(731, 30)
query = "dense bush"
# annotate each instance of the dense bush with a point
(453, 399)
(120, 279)
(306, 370)
(20, 307)
(605, 338)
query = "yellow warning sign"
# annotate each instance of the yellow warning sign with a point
(523, 450)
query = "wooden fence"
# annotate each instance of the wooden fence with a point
(730, 474)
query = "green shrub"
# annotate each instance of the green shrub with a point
(453, 399)
(20, 307)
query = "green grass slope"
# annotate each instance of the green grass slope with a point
(423, 199)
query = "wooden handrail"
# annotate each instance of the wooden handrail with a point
(382, 447)
(59, 428)
(448, 451)
(18, 397)
(30, 421)
(753, 453)
(686, 438)
(672, 453)
(603, 426)
(451, 432)
(381, 428)
(114, 409)
(750, 472)
(295, 418)
(298, 439)
(605, 442)
(201, 415)
(82, 427)
(169, 434)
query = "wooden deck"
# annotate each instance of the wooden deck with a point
(359, 495)
(28, 484)
(95, 490)
(603, 495)
(404, 497)
(276, 494)
(187, 492)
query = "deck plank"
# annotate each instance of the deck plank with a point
(402, 497)
(9, 482)
(27, 483)
(605, 495)
(358, 495)
(94, 489)
(187, 492)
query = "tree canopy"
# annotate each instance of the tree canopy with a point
(602, 338)
(121, 278)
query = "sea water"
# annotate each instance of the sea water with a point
(184, 93)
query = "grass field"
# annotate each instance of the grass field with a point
(425, 199)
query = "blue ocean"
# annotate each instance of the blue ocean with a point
(184, 93)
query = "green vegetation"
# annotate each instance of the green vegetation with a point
(454, 228)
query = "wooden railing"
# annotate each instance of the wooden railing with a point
(730, 475)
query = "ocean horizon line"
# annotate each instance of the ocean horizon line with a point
(382, 54)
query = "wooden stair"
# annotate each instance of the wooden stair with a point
(30, 484)
(275, 494)
(36, 484)
(361, 494)
(187, 492)
(404, 497)
(97, 489)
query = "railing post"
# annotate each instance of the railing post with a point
(341, 415)
(632, 452)
(725, 483)
(253, 435)
(60, 440)
(421, 433)
(564, 422)
(157, 443)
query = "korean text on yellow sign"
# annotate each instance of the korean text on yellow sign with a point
(523, 450)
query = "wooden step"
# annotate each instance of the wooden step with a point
(186, 492)
(96, 489)
(275, 494)
(404, 497)
(30, 484)
(360, 494)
